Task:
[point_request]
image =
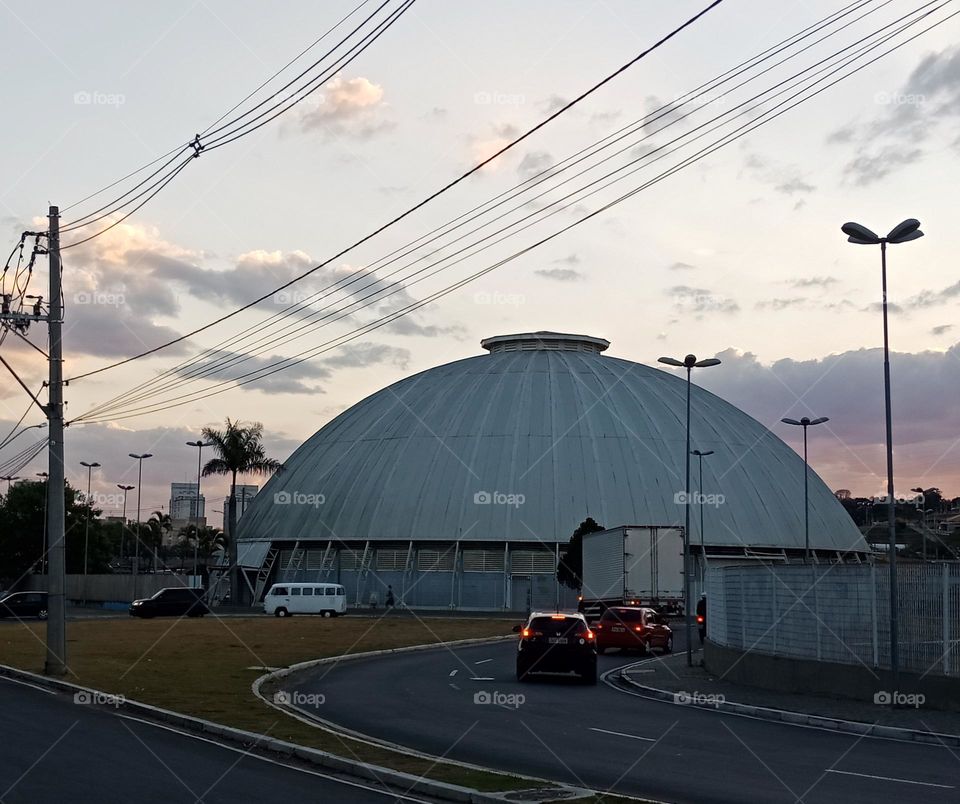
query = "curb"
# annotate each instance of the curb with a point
(386, 777)
(555, 791)
(801, 718)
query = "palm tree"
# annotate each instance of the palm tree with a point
(158, 527)
(240, 451)
(207, 541)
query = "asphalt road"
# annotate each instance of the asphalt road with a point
(55, 750)
(607, 739)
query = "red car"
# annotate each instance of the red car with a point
(633, 629)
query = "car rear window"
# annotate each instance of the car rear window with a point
(624, 615)
(559, 627)
(331, 590)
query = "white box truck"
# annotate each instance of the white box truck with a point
(633, 565)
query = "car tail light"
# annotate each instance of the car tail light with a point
(525, 633)
(638, 628)
(701, 619)
(598, 626)
(558, 616)
(588, 635)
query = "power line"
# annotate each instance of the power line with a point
(566, 107)
(222, 359)
(768, 115)
(533, 181)
(184, 146)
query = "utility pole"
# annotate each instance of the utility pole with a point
(56, 664)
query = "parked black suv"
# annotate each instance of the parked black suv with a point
(173, 602)
(552, 642)
(24, 604)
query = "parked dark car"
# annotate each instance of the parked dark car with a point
(557, 643)
(24, 604)
(173, 602)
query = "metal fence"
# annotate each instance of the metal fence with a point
(839, 613)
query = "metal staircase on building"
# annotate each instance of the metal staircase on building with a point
(263, 574)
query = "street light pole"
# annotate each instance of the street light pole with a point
(690, 362)
(806, 422)
(199, 444)
(136, 563)
(903, 232)
(9, 479)
(123, 523)
(700, 456)
(86, 531)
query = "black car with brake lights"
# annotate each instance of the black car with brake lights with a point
(554, 642)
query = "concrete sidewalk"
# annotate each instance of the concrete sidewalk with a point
(671, 675)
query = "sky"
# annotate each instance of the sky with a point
(738, 255)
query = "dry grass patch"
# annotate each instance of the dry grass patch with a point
(204, 667)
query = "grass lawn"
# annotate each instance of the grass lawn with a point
(204, 667)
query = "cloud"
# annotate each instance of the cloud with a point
(813, 282)
(933, 298)
(848, 387)
(784, 179)
(868, 168)
(681, 266)
(482, 148)
(794, 185)
(941, 329)
(781, 304)
(927, 101)
(560, 274)
(346, 108)
(700, 300)
(570, 259)
(534, 163)
(553, 104)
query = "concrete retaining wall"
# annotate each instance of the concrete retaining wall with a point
(111, 588)
(806, 676)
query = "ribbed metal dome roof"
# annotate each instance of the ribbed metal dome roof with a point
(565, 430)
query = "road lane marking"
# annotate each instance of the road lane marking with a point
(891, 779)
(482, 678)
(483, 661)
(453, 673)
(621, 734)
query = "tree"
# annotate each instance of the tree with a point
(570, 568)
(240, 451)
(22, 528)
(207, 540)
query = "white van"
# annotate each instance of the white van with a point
(287, 599)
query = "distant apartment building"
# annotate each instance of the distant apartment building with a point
(184, 506)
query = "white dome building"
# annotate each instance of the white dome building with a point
(458, 486)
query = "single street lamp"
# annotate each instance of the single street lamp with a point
(923, 521)
(86, 531)
(806, 422)
(199, 444)
(136, 565)
(46, 491)
(690, 362)
(700, 456)
(903, 232)
(123, 528)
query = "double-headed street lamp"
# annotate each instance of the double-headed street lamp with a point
(9, 479)
(199, 444)
(136, 566)
(901, 233)
(700, 456)
(690, 362)
(86, 530)
(806, 422)
(123, 528)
